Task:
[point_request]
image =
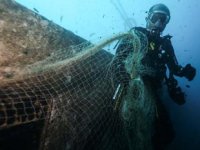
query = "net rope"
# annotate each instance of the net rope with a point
(73, 92)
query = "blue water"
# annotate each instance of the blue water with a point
(97, 19)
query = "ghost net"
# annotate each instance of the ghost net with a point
(72, 91)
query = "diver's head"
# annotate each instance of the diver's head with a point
(158, 17)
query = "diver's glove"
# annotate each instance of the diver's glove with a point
(175, 91)
(189, 72)
(177, 95)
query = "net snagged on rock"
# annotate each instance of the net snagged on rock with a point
(72, 90)
(75, 97)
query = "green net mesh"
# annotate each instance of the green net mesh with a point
(74, 95)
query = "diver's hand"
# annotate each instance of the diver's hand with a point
(175, 91)
(177, 95)
(189, 72)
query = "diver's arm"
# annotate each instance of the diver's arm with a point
(188, 71)
(122, 52)
(172, 64)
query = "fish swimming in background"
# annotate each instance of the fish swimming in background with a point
(188, 86)
(35, 10)
(61, 18)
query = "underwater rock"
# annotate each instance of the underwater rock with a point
(29, 38)
(50, 100)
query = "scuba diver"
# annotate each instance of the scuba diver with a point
(159, 56)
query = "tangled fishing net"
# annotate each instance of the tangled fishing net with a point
(74, 95)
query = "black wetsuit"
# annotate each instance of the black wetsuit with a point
(160, 54)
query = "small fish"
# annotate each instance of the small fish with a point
(61, 18)
(92, 34)
(188, 86)
(35, 10)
